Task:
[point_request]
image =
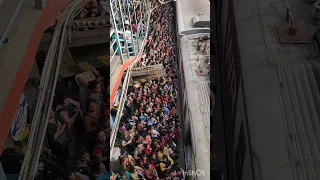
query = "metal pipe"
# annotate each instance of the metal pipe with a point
(25, 172)
(123, 27)
(8, 28)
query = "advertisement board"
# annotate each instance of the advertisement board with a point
(19, 123)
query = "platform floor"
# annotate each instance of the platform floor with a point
(17, 57)
(117, 71)
(12, 54)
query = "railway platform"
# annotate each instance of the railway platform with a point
(23, 24)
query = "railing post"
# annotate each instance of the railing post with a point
(130, 22)
(116, 32)
(136, 22)
(123, 28)
(140, 21)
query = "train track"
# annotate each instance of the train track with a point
(46, 88)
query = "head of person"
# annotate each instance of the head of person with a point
(165, 158)
(51, 114)
(124, 176)
(126, 134)
(83, 154)
(73, 175)
(127, 27)
(94, 86)
(146, 166)
(101, 136)
(113, 176)
(97, 166)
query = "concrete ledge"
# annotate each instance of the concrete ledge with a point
(16, 58)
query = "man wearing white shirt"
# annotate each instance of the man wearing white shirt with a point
(127, 35)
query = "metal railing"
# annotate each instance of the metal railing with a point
(124, 43)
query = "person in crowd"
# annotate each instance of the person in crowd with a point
(127, 142)
(101, 148)
(166, 165)
(95, 97)
(82, 81)
(114, 176)
(128, 162)
(125, 175)
(83, 161)
(59, 138)
(128, 37)
(67, 112)
(99, 170)
(150, 172)
(138, 153)
(105, 7)
(48, 165)
(92, 119)
(73, 175)
(91, 9)
(138, 173)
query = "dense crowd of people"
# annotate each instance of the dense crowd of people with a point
(94, 8)
(125, 33)
(77, 138)
(150, 125)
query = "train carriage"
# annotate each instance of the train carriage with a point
(193, 42)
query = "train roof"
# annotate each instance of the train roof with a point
(280, 86)
(197, 87)
(194, 11)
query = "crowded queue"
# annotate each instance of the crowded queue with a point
(150, 125)
(77, 138)
(95, 8)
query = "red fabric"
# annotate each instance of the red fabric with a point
(96, 151)
(177, 134)
(165, 100)
(134, 28)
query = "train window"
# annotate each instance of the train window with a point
(241, 152)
